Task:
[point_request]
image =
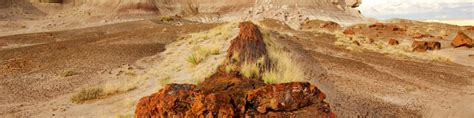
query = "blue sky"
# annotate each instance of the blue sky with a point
(419, 9)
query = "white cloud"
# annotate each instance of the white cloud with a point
(418, 9)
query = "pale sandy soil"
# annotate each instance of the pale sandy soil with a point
(454, 22)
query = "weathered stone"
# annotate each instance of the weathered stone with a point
(462, 39)
(470, 28)
(356, 43)
(386, 27)
(284, 97)
(393, 42)
(434, 45)
(315, 24)
(248, 46)
(174, 100)
(423, 46)
(349, 31)
(420, 36)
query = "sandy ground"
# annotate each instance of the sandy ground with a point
(369, 84)
(33, 71)
(357, 83)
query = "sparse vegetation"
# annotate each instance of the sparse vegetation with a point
(126, 116)
(270, 77)
(70, 73)
(284, 68)
(164, 81)
(204, 51)
(230, 68)
(167, 18)
(194, 59)
(115, 87)
(87, 94)
(250, 70)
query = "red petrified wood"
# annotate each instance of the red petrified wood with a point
(230, 95)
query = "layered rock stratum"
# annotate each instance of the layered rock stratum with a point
(341, 11)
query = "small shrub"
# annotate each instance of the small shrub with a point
(194, 59)
(380, 46)
(209, 50)
(167, 18)
(115, 87)
(87, 94)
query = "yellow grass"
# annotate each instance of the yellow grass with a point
(194, 57)
(284, 69)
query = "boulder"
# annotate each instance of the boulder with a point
(377, 25)
(249, 44)
(185, 100)
(393, 42)
(386, 27)
(356, 43)
(470, 28)
(329, 25)
(421, 35)
(174, 100)
(419, 46)
(434, 45)
(462, 39)
(284, 97)
(423, 46)
(349, 31)
(315, 24)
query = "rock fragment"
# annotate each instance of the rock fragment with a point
(462, 39)
(393, 42)
(423, 46)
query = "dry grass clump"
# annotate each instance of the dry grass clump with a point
(194, 59)
(121, 86)
(87, 94)
(250, 70)
(167, 18)
(283, 68)
(110, 88)
(203, 52)
(70, 73)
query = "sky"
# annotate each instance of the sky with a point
(419, 9)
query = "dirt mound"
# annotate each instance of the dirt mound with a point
(462, 39)
(230, 94)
